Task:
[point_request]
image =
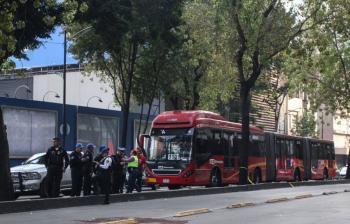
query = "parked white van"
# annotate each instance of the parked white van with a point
(29, 178)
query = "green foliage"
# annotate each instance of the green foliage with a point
(305, 125)
(200, 71)
(23, 23)
(320, 64)
(124, 41)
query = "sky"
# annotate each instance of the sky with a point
(50, 53)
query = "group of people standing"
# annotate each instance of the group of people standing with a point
(103, 173)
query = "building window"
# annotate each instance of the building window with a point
(29, 131)
(98, 130)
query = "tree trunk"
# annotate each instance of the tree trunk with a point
(140, 123)
(245, 101)
(148, 115)
(348, 170)
(125, 125)
(6, 187)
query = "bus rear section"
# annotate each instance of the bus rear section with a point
(322, 156)
(292, 158)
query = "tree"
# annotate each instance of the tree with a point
(275, 90)
(200, 68)
(22, 26)
(262, 30)
(120, 32)
(305, 125)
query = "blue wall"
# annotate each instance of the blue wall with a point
(71, 116)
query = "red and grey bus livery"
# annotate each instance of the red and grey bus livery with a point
(201, 148)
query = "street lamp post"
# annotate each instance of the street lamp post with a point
(57, 95)
(64, 78)
(99, 100)
(19, 87)
(64, 88)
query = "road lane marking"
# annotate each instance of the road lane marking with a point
(275, 200)
(122, 221)
(291, 185)
(303, 196)
(192, 212)
(241, 205)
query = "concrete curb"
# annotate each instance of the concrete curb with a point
(54, 203)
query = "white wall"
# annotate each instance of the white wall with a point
(80, 89)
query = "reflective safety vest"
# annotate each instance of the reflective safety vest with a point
(135, 163)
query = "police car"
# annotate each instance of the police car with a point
(29, 178)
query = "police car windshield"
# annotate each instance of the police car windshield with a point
(170, 144)
(36, 160)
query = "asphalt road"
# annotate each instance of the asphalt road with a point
(320, 209)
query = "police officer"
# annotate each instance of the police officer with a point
(119, 171)
(56, 162)
(87, 168)
(133, 170)
(76, 169)
(95, 170)
(104, 173)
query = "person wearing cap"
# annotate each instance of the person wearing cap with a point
(76, 166)
(104, 172)
(119, 171)
(133, 170)
(95, 171)
(56, 162)
(87, 168)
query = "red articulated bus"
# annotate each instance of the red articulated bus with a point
(201, 148)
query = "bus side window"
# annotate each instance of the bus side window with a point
(203, 145)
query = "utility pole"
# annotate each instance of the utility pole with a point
(64, 89)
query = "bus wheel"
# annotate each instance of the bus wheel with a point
(257, 176)
(325, 174)
(297, 175)
(215, 178)
(174, 187)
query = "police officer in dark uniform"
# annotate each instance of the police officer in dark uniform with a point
(95, 181)
(56, 162)
(119, 172)
(76, 166)
(104, 172)
(87, 168)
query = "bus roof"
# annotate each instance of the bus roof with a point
(196, 118)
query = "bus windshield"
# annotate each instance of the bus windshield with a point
(170, 144)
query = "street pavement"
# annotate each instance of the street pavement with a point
(328, 204)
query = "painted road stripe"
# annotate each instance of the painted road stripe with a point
(122, 221)
(303, 196)
(240, 205)
(192, 212)
(275, 200)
